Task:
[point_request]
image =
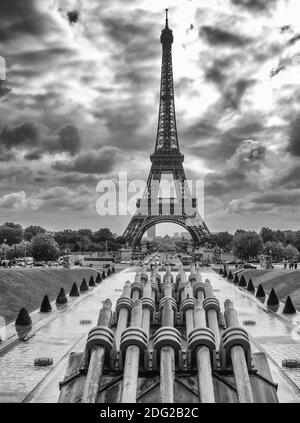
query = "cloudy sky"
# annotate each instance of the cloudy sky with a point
(80, 104)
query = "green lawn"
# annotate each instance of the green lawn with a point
(27, 287)
(285, 282)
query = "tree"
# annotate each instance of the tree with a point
(280, 236)
(11, 232)
(33, 230)
(103, 235)
(223, 239)
(267, 234)
(290, 238)
(44, 247)
(291, 253)
(247, 244)
(296, 242)
(275, 249)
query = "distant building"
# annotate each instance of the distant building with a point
(151, 233)
(125, 254)
(185, 235)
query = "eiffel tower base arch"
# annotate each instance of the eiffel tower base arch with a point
(139, 226)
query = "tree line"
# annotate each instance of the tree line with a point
(280, 245)
(36, 241)
(41, 244)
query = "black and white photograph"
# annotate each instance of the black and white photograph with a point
(149, 205)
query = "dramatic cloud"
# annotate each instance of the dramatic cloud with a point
(276, 201)
(241, 170)
(81, 98)
(255, 5)
(290, 179)
(36, 140)
(294, 139)
(4, 89)
(17, 200)
(217, 36)
(99, 162)
(73, 16)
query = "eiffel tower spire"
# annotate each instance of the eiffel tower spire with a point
(166, 139)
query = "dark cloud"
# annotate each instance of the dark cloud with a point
(275, 71)
(25, 134)
(99, 162)
(294, 138)
(238, 170)
(69, 139)
(232, 86)
(290, 179)
(217, 144)
(24, 18)
(216, 71)
(74, 178)
(131, 30)
(294, 39)
(127, 123)
(65, 198)
(5, 155)
(221, 37)
(233, 94)
(36, 139)
(285, 28)
(278, 198)
(73, 16)
(255, 5)
(4, 89)
(265, 201)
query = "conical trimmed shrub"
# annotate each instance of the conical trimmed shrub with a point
(113, 270)
(91, 281)
(225, 273)
(260, 293)
(108, 272)
(230, 275)
(273, 299)
(289, 307)
(23, 318)
(103, 275)
(61, 298)
(45, 306)
(98, 278)
(84, 286)
(250, 287)
(221, 271)
(243, 282)
(236, 280)
(74, 290)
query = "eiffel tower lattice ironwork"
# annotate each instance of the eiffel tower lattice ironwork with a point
(167, 159)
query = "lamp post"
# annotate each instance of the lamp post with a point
(5, 249)
(25, 242)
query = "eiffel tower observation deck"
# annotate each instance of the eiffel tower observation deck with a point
(179, 207)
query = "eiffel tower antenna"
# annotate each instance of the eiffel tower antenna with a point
(166, 158)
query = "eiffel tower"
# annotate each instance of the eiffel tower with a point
(167, 159)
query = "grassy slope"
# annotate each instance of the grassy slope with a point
(285, 282)
(26, 288)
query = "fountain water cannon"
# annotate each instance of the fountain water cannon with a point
(98, 347)
(168, 342)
